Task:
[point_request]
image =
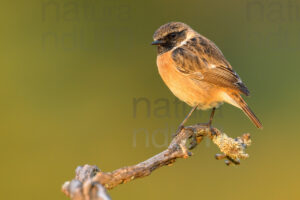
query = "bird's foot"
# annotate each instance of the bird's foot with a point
(211, 129)
(180, 128)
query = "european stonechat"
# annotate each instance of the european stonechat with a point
(196, 71)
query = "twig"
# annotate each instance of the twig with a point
(90, 183)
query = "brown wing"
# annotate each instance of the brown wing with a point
(201, 59)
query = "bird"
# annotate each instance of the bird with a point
(197, 72)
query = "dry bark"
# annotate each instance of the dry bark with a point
(91, 183)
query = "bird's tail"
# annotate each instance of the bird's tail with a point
(243, 105)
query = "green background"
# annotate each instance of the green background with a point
(71, 70)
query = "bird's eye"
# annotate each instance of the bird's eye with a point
(173, 35)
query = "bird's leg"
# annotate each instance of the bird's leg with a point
(185, 120)
(210, 120)
(211, 116)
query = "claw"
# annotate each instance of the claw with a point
(180, 128)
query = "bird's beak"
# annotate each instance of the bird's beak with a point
(157, 42)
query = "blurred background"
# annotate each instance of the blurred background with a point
(79, 85)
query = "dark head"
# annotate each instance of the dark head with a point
(171, 35)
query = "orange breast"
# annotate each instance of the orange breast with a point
(186, 89)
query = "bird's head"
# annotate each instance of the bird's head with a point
(171, 35)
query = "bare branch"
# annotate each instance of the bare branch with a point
(82, 187)
(90, 182)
